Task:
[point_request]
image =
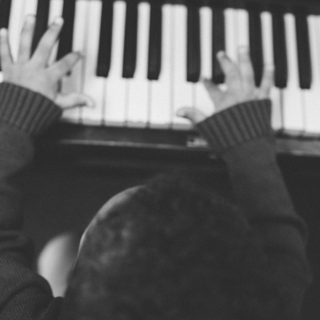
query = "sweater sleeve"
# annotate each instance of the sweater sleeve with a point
(24, 294)
(242, 136)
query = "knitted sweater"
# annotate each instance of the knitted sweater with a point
(240, 135)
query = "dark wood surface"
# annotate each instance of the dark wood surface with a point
(181, 144)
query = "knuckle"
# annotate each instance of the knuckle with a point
(51, 77)
(54, 28)
(50, 36)
(71, 59)
(24, 43)
(58, 70)
(232, 72)
(25, 28)
(28, 24)
(64, 65)
(66, 62)
(44, 45)
(57, 24)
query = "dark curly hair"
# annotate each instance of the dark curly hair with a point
(174, 252)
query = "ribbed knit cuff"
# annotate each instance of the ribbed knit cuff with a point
(236, 125)
(26, 110)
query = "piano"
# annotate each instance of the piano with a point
(145, 59)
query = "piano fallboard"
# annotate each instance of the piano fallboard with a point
(311, 6)
(180, 143)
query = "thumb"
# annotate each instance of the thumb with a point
(192, 114)
(72, 100)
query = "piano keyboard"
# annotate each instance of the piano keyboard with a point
(145, 60)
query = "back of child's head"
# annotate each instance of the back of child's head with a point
(175, 251)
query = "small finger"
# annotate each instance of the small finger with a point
(5, 52)
(25, 44)
(266, 82)
(65, 64)
(225, 62)
(47, 42)
(73, 100)
(192, 114)
(245, 67)
(228, 67)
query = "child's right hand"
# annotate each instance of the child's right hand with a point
(33, 72)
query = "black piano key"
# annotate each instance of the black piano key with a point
(41, 26)
(66, 35)
(303, 49)
(130, 39)
(255, 42)
(5, 6)
(218, 42)
(155, 40)
(279, 49)
(104, 54)
(193, 44)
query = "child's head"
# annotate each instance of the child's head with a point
(171, 250)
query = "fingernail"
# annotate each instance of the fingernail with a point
(83, 104)
(243, 50)
(30, 18)
(86, 104)
(180, 113)
(206, 80)
(80, 54)
(58, 21)
(221, 55)
(89, 103)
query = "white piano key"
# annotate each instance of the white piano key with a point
(93, 85)
(312, 96)
(242, 28)
(31, 7)
(17, 18)
(138, 99)
(183, 91)
(203, 100)
(206, 41)
(292, 97)
(267, 43)
(115, 93)
(75, 82)
(231, 33)
(161, 90)
(55, 10)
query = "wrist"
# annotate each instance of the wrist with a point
(26, 110)
(237, 124)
